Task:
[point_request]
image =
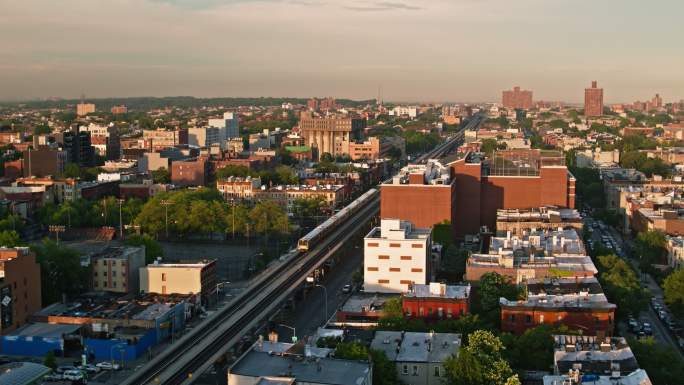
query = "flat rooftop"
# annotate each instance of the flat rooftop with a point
(563, 285)
(542, 214)
(320, 370)
(638, 377)
(580, 300)
(437, 290)
(416, 347)
(597, 355)
(366, 302)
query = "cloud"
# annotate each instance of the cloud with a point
(383, 6)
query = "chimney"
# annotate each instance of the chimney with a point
(594, 84)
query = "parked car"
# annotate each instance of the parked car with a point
(90, 368)
(647, 329)
(106, 365)
(73, 375)
(65, 368)
(54, 377)
(662, 314)
(633, 324)
(347, 289)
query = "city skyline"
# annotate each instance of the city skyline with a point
(418, 51)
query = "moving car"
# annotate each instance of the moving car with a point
(646, 328)
(90, 368)
(347, 289)
(73, 375)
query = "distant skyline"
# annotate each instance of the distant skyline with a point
(418, 50)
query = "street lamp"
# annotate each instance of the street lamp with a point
(166, 203)
(325, 297)
(218, 285)
(56, 229)
(294, 332)
(121, 201)
(232, 204)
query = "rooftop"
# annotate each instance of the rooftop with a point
(578, 300)
(416, 347)
(366, 302)
(439, 290)
(596, 355)
(22, 373)
(120, 252)
(195, 265)
(541, 214)
(319, 370)
(433, 173)
(396, 229)
(638, 377)
(563, 285)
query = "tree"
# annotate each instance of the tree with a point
(493, 287)
(72, 170)
(650, 246)
(673, 287)
(384, 370)
(662, 363)
(351, 351)
(50, 361)
(232, 170)
(488, 146)
(479, 362)
(621, 285)
(533, 350)
(286, 175)
(308, 207)
(61, 271)
(153, 249)
(161, 175)
(453, 263)
(268, 217)
(393, 308)
(9, 238)
(327, 157)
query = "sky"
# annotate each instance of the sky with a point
(416, 50)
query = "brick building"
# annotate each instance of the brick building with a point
(590, 313)
(330, 135)
(238, 188)
(424, 195)
(20, 288)
(517, 98)
(190, 172)
(436, 301)
(160, 139)
(116, 269)
(668, 220)
(43, 161)
(593, 100)
(511, 179)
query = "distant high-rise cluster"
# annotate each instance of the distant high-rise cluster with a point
(517, 98)
(83, 109)
(593, 100)
(322, 104)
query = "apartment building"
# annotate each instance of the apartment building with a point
(330, 135)
(436, 301)
(593, 100)
(396, 256)
(20, 288)
(418, 357)
(116, 269)
(239, 188)
(675, 251)
(180, 278)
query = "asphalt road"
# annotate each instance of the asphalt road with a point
(660, 332)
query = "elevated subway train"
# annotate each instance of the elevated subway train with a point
(310, 239)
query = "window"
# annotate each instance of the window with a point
(94, 273)
(371, 244)
(541, 318)
(163, 276)
(104, 273)
(114, 284)
(449, 313)
(95, 283)
(114, 273)
(429, 311)
(421, 311)
(416, 270)
(416, 245)
(440, 312)
(395, 269)
(528, 319)
(383, 281)
(406, 282)
(415, 370)
(163, 289)
(372, 268)
(405, 370)
(383, 256)
(395, 245)
(104, 283)
(436, 371)
(511, 317)
(406, 258)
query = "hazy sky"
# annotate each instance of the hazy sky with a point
(425, 50)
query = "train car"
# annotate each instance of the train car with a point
(310, 239)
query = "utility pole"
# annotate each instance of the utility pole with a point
(232, 203)
(121, 234)
(166, 203)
